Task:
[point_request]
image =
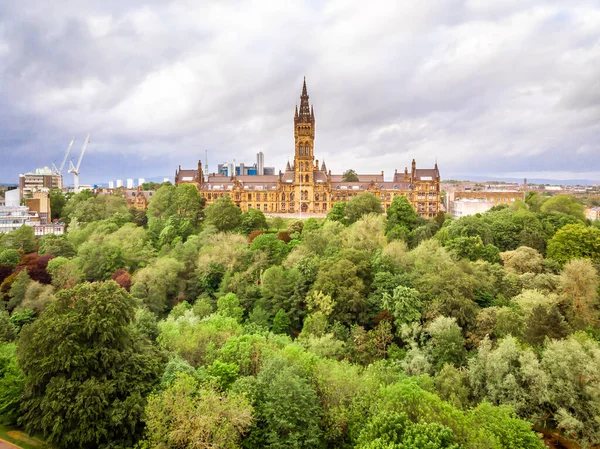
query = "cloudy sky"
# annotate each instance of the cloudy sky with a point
(506, 88)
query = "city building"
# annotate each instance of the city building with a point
(307, 187)
(471, 202)
(40, 205)
(138, 198)
(592, 213)
(258, 168)
(13, 217)
(39, 180)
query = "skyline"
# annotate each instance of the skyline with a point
(499, 90)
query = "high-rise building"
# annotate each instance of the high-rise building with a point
(260, 163)
(141, 181)
(130, 183)
(307, 187)
(111, 184)
(119, 183)
(42, 179)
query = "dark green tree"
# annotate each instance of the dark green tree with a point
(251, 220)
(365, 203)
(337, 212)
(57, 203)
(223, 214)
(286, 408)
(401, 213)
(87, 370)
(281, 322)
(350, 176)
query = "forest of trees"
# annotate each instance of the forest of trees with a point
(191, 327)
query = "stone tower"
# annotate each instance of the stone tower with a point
(304, 157)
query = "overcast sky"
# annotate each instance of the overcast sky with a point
(493, 88)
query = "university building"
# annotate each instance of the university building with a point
(311, 188)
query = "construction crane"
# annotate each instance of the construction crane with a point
(58, 171)
(74, 169)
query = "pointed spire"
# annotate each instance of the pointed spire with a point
(287, 167)
(323, 166)
(305, 112)
(296, 113)
(312, 111)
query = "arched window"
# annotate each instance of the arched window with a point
(306, 151)
(300, 150)
(283, 197)
(316, 197)
(306, 166)
(292, 196)
(306, 178)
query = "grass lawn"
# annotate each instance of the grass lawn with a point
(21, 439)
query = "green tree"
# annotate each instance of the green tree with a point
(10, 257)
(229, 305)
(349, 176)
(57, 203)
(80, 349)
(390, 430)
(504, 424)
(523, 260)
(274, 249)
(544, 323)
(251, 220)
(65, 273)
(22, 239)
(281, 322)
(187, 414)
(18, 289)
(446, 344)
(337, 212)
(401, 213)
(575, 241)
(7, 329)
(57, 245)
(404, 303)
(579, 291)
(223, 214)
(362, 204)
(339, 279)
(11, 385)
(157, 283)
(565, 204)
(571, 369)
(286, 408)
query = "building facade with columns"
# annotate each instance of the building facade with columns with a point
(307, 187)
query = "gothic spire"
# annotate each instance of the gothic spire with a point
(305, 111)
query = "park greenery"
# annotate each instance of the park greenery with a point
(187, 326)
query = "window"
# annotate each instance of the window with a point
(316, 197)
(306, 178)
(249, 197)
(306, 152)
(258, 197)
(265, 207)
(283, 197)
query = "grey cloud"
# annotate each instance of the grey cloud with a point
(495, 86)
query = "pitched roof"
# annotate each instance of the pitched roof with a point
(361, 178)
